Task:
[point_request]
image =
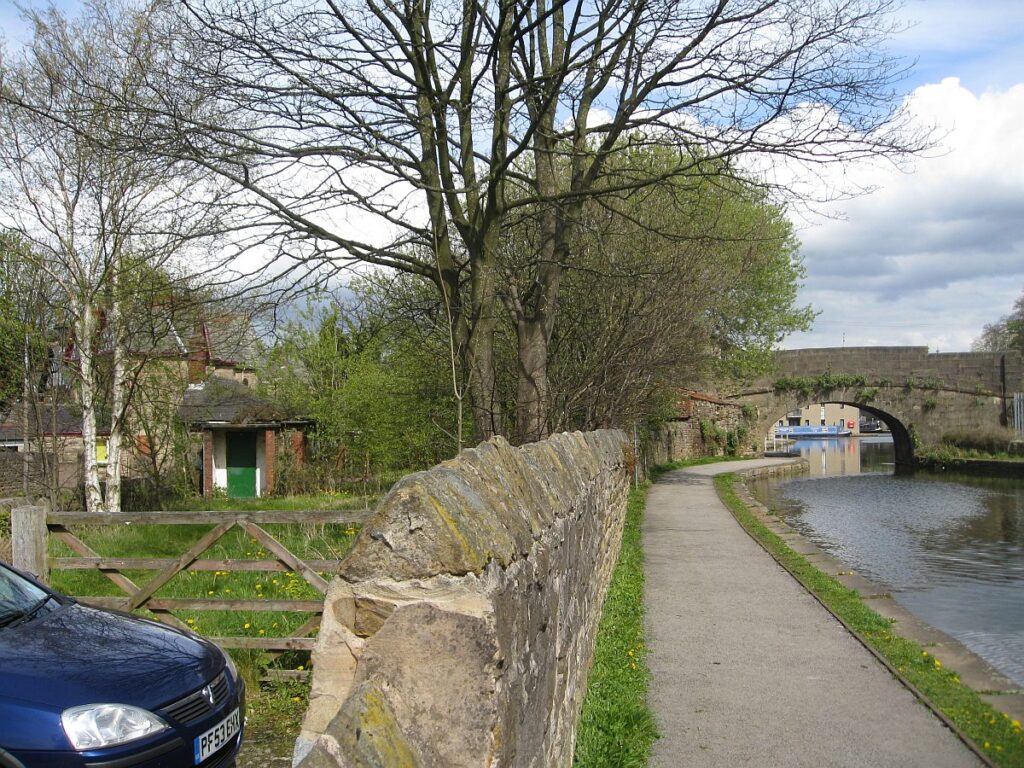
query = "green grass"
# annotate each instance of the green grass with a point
(951, 457)
(328, 541)
(995, 733)
(660, 469)
(616, 726)
(329, 501)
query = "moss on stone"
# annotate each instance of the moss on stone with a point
(369, 733)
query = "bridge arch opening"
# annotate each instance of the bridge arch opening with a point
(902, 440)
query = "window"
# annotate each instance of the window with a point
(101, 450)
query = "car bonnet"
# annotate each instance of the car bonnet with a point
(82, 655)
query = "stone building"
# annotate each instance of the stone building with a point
(824, 415)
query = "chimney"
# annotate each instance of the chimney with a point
(198, 355)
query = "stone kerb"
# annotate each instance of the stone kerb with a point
(461, 627)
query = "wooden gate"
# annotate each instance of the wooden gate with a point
(32, 525)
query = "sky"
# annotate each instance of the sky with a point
(934, 253)
(936, 250)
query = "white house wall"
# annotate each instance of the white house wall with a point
(220, 460)
(261, 464)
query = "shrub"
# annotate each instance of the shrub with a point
(826, 382)
(983, 440)
(866, 394)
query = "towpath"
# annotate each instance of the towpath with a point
(748, 669)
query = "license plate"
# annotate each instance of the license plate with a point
(215, 738)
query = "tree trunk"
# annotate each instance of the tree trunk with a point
(26, 454)
(532, 422)
(117, 409)
(85, 332)
(479, 359)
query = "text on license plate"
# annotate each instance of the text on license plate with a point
(215, 738)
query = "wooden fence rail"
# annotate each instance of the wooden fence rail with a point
(32, 525)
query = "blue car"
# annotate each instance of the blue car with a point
(84, 687)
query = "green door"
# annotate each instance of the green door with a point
(241, 450)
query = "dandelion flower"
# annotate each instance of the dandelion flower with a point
(247, 625)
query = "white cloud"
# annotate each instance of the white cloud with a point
(932, 255)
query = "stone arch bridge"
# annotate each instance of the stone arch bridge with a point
(920, 395)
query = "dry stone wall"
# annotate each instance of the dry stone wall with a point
(461, 627)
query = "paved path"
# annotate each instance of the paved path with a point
(749, 670)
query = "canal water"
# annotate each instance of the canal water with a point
(950, 549)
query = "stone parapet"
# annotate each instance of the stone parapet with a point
(461, 627)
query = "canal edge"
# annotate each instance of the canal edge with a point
(974, 672)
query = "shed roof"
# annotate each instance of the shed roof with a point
(220, 400)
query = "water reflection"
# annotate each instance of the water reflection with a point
(951, 549)
(839, 456)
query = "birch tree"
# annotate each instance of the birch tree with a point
(98, 216)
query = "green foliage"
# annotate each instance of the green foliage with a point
(11, 354)
(691, 276)
(981, 442)
(18, 316)
(711, 434)
(826, 382)
(728, 441)
(929, 405)
(994, 732)
(616, 726)
(749, 413)
(866, 395)
(378, 389)
(928, 382)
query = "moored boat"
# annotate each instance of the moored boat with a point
(825, 431)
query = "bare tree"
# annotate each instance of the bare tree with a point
(672, 282)
(1004, 334)
(108, 225)
(370, 131)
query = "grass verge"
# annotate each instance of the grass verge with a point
(994, 732)
(616, 726)
(660, 469)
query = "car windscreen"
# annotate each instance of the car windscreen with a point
(18, 597)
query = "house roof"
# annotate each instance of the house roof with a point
(68, 422)
(224, 338)
(220, 400)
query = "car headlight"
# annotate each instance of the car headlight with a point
(229, 664)
(104, 725)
